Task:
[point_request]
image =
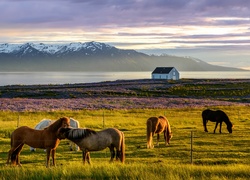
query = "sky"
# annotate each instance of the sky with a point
(215, 31)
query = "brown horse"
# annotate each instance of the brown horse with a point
(45, 139)
(46, 122)
(157, 125)
(218, 117)
(89, 140)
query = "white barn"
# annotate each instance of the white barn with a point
(166, 73)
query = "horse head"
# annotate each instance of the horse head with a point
(168, 137)
(62, 133)
(230, 128)
(65, 122)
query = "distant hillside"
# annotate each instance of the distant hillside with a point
(91, 56)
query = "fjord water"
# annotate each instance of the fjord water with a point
(32, 78)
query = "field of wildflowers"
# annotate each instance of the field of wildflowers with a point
(130, 94)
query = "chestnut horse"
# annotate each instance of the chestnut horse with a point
(218, 117)
(46, 122)
(45, 139)
(89, 140)
(157, 125)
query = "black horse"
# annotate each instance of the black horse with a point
(218, 117)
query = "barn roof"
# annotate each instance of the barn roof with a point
(162, 70)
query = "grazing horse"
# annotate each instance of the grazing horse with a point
(45, 139)
(157, 125)
(218, 117)
(46, 122)
(89, 140)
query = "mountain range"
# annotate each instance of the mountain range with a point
(91, 56)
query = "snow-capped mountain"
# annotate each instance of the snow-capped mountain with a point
(52, 48)
(90, 56)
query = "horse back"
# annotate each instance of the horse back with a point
(152, 124)
(101, 139)
(162, 124)
(43, 124)
(214, 116)
(112, 134)
(32, 137)
(209, 115)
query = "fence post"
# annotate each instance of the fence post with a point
(238, 114)
(18, 121)
(191, 147)
(103, 121)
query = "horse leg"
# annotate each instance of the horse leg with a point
(13, 154)
(85, 156)
(165, 138)
(9, 154)
(149, 139)
(215, 126)
(112, 153)
(220, 126)
(12, 157)
(205, 125)
(158, 138)
(118, 154)
(53, 152)
(88, 157)
(48, 151)
(18, 155)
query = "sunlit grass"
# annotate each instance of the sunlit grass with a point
(215, 156)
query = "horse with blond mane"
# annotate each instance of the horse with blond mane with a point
(45, 139)
(89, 140)
(157, 125)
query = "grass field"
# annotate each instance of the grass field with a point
(214, 156)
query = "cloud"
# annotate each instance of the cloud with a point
(93, 13)
(178, 26)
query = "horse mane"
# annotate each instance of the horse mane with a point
(79, 133)
(227, 120)
(54, 126)
(162, 117)
(43, 124)
(168, 124)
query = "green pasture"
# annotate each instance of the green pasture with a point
(214, 156)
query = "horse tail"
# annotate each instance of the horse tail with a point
(13, 157)
(205, 115)
(10, 151)
(122, 148)
(149, 133)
